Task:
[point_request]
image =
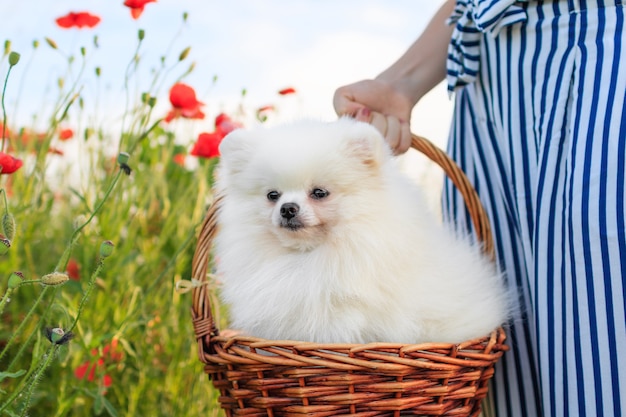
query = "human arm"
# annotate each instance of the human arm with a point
(387, 100)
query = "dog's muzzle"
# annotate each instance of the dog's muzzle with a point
(289, 216)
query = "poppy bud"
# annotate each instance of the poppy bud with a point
(15, 279)
(14, 58)
(83, 51)
(7, 47)
(98, 71)
(5, 244)
(8, 225)
(106, 248)
(53, 279)
(52, 43)
(123, 158)
(58, 336)
(184, 53)
(35, 44)
(141, 34)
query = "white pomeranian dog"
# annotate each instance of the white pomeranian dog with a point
(323, 239)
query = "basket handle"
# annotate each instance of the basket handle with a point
(203, 320)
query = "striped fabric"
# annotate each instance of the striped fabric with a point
(471, 19)
(541, 132)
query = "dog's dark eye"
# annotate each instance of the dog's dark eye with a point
(273, 195)
(319, 193)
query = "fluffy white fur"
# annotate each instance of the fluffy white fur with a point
(366, 263)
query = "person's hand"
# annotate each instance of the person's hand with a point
(378, 103)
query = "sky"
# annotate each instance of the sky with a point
(261, 47)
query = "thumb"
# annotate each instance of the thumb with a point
(345, 105)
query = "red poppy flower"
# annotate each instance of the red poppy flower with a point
(7, 132)
(81, 371)
(66, 134)
(224, 124)
(26, 136)
(184, 103)
(183, 97)
(136, 7)
(179, 159)
(207, 145)
(73, 270)
(110, 353)
(285, 91)
(88, 370)
(78, 20)
(9, 164)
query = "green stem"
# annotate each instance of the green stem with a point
(23, 323)
(29, 281)
(126, 80)
(47, 360)
(144, 135)
(173, 259)
(87, 293)
(5, 299)
(4, 111)
(4, 196)
(24, 345)
(66, 256)
(22, 83)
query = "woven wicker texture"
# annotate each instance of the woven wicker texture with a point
(258, 377)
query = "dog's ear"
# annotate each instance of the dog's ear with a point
(235, 150)
(369, 146)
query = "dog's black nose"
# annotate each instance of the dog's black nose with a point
(289, 210)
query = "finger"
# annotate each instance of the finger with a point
(379, 121)
(394, 134)
(405, 137)
(363, 114)
(398, 135)
(344, 103)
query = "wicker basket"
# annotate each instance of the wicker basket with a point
(258, 377)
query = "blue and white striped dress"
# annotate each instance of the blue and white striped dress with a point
(540, 129)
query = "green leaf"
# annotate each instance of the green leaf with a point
(98, 405)
(109, 407)
(17, 374)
